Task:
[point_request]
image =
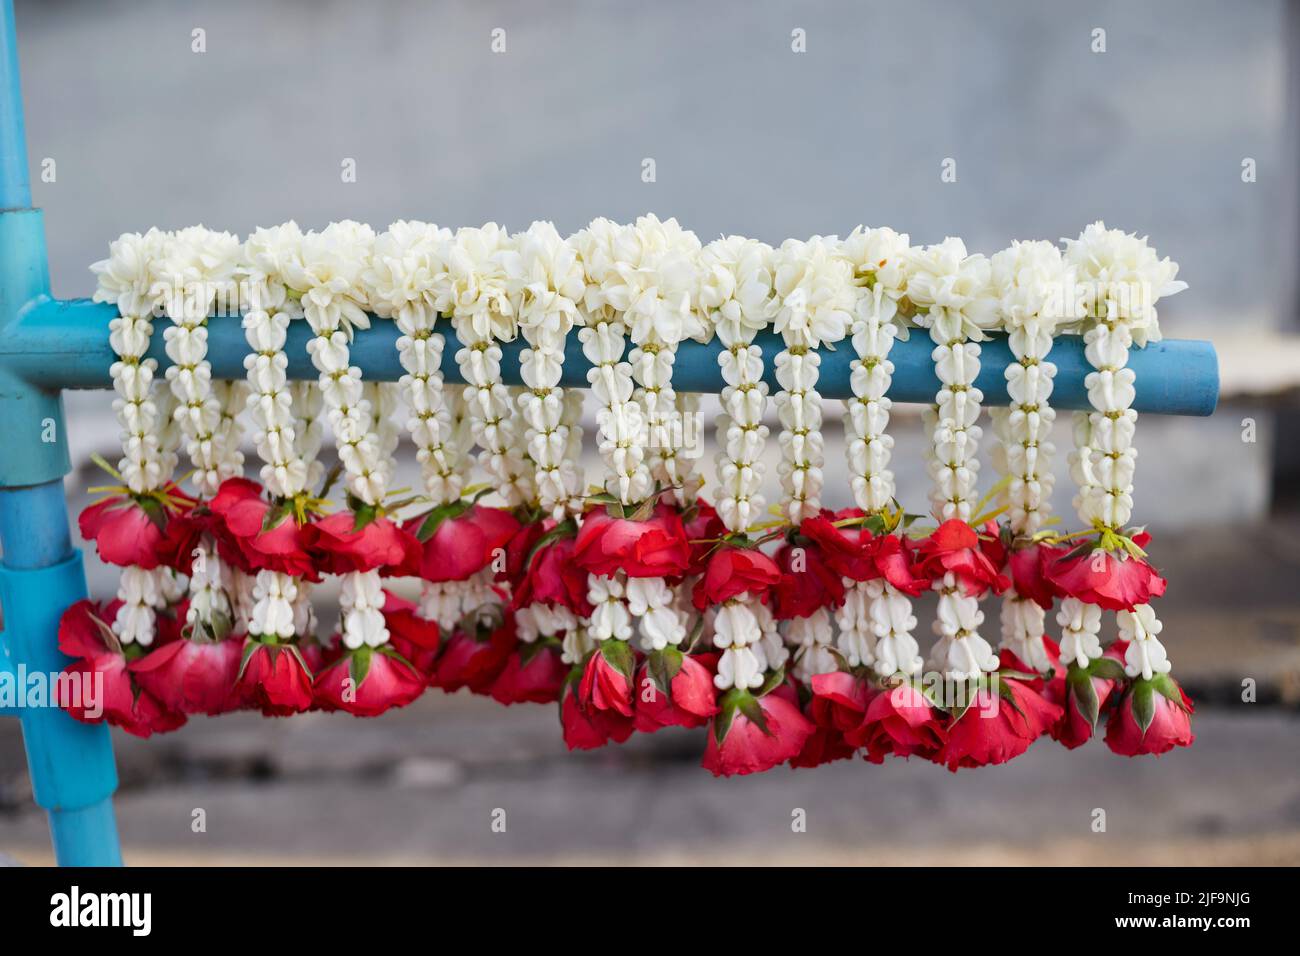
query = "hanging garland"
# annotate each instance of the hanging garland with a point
(637, 604)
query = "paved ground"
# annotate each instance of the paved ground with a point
(425, 786)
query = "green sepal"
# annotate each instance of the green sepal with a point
(362, 513)
(774, 680)
(438, 515)
(1106, 668)
(277, 513)
(618, 654)
(1079, 682)
(1144, 704)
(663, 666)
(359, 665)
(561, 530)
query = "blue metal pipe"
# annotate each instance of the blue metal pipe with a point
(15, 188)
(64, 344)
(71, 764)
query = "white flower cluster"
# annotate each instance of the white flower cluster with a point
(1031, 280)
(546, 278)
(1119, 278)
(815, 296)
(736, 293)
(408, 282)
(484, 315)
(954, 298)
(129, 278)
(198, 265)
(285, 418)
(876, 620)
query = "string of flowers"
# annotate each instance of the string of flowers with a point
(1031, 282)
(790, 638)
(1119, 280)
(951, 293)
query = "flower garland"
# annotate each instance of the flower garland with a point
(1031, 281)
(1120, 279)
(876, 619)
(800, 656)
(952, 295)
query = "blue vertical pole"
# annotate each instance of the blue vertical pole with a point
(71, 764)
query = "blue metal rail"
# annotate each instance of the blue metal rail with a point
(48, 345)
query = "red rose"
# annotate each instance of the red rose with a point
(846, 549)
(840, 701)
(1029, 573)
(533, 674)
(807, 582)
(998, 725)
(900, 721)
(653, 548)
(275, 679)
(192, 677)
(553, 577)
(955, 547)
(1082, 693)
(366, 682)
(752, 734)
(1114, 583)
(464, 543)
(691, 698)
(703, 529)
(833, 711)
(241, 512)
(412, 636)
(519, 548)
(124, 532)
(588, 729)
(1162, 706)
(606, 678)
(108, 689)
(894, 558)
(475, 659)
(733, 570)
(380, 544)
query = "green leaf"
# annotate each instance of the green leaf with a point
(751, 708)
(1106, 668)
(1085, 694)
(276, 514)
(619, 655)
(359, 665)
(362, 515)
(774, 680)
(561, 530)
(1144, 705)
(663, 666)
(437, 516)
(727, 708)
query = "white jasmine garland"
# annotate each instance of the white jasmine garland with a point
(271, 603)
(328, 274)
(618, 418)
(1031, 283)
(735, 295)
(875, 621)
(653, 287)
(954, 301)
(814, 300)
(484, 315)
(128, 278)
(197, 270)
(546, 278)
(1121, 278)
